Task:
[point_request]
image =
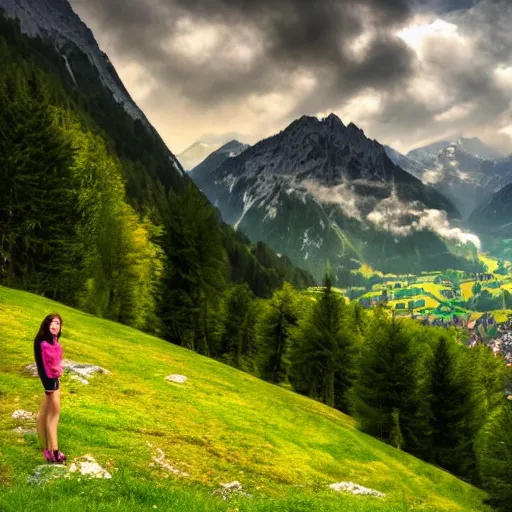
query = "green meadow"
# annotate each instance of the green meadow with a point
(221, 425)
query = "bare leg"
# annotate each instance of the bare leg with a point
(41, 423)
(52, 419)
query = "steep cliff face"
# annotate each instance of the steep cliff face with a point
(55, 22)
(495, 215)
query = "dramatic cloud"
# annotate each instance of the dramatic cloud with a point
(403, 220)
(391, 214)
(459, 82)
(407, 72)
(342, 195)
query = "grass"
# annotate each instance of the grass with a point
(221, 425)
(466, 289)
(368, 271)
(492, 263)
(434, 289)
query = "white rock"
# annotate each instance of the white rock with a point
(231, 489)
(160, 461)
(88, 466)
(79, 371)
(24, 415)
(22, 430)
(353, 488)
(176, 378)
(83, 369)
(232, 486)
(80, 379)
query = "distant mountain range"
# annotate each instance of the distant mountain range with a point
(471, 146)
(322, 192)
(196, 153)
(215, 158)
(199, 151)
(467, 171)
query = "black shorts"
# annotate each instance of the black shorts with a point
(49, 384)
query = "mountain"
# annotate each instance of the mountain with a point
(214, 154)
(201, 151)
(495, 215)
(55, 20)
(472, 146)
(323, 192)
(466, 179)
(407, 163)
(459, 170)
(196, 153)
(218, 157)
(68, 49)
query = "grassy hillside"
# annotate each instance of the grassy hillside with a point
(219, 426)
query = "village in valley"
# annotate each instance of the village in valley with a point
(478, 303)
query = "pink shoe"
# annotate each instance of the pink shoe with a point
(58, 457)
(48, 457)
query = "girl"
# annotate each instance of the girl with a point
(48, 356)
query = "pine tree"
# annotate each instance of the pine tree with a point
(324, 350)
(237, 336)
(37, 199)
(279, 317)
(451, 412)
(495, 461)
(195, 273)
(388, 384)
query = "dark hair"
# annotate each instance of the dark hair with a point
(44, 333)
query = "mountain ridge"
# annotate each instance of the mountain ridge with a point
(57, 23)
(473, 146)
(463, 176)
(230, 149)
(351, 194)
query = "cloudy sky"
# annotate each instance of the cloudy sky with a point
(408, 72)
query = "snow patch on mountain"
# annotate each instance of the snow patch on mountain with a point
(70, 71)
(229, 180)
(248, 201)
(308, 241)
(271, 213)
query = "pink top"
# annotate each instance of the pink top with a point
(52, 358)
